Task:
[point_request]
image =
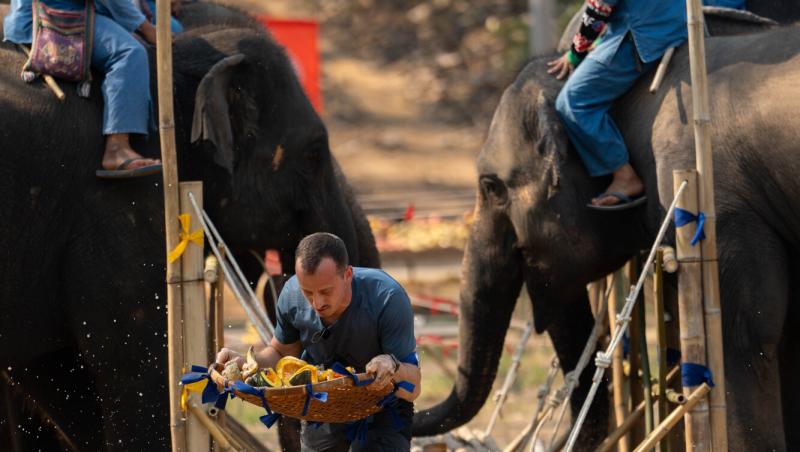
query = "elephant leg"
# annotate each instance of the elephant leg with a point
(790, 364)
(754, 270)
(569, 333)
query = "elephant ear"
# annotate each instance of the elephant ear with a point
(211, 119)
(554, 143)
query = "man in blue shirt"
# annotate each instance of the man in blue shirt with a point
(123, 61)
(637, 33)
(330, 312)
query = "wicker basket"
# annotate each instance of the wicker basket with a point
(346, 402)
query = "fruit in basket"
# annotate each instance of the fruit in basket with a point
(287, 366)
(265, 378)
(250, 367)
(232, 371)
(304, 375)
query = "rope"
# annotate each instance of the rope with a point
(603, 360)
(254, 309)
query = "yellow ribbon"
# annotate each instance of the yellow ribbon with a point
(196, 387)
(186, 237)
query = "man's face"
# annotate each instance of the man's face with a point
(327, 289)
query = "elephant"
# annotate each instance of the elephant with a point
(531, 225)
(92, 361)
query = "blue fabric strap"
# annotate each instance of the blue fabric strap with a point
(413, 358)
(310, 394)
(341, 370)
(407, 385)
(693, 374)
(269, 418)
(684, 217)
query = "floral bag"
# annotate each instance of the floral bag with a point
(62, 45)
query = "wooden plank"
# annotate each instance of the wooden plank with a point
(698, 396)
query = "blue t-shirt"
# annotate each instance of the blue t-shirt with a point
(378, 321)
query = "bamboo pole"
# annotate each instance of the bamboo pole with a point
(195, 344)
(615, 301)
(169, 161)
(647, 383)
(705, 170)
(661, 334)
(211, 428)
(635, 353)
(690, 310)
(697, 397)
(663, 65)
(635, 416)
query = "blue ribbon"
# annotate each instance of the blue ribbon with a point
(268, 419)
(413, 358)
(341, 370)
(210, 392)
(407, 385)
(684, 217)
(310, 394)
(693, 374)
(673, 356)
(626, 345)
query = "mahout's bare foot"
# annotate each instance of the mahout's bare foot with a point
(118, 151)
(625, 182)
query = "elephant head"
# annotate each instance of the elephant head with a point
(530, 226)
(257, 143)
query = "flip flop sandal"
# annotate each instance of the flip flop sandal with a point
(625, 202)
(122, 173)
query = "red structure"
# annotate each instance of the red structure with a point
(300, 37)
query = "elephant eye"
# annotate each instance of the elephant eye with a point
(494, 189)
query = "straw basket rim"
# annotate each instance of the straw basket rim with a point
(346, 402)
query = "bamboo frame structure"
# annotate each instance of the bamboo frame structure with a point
(661, 335)
(169, 160)
(197, 413)
(696, 397)
(615, 301)
(705, 169)
(690, 308)
(195, 333)
(635, 416)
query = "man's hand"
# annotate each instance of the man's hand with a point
(227, 355)
(148, 31)
(561, 67)
(382, 367)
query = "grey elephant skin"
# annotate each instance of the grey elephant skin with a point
(532, 226)
(83, 324)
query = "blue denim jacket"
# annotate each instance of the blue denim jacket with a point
(655, 25)
(18, 24)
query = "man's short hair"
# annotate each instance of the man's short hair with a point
(315, 247)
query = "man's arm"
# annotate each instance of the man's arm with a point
(412, 374)
(593, 23)
(268, 357)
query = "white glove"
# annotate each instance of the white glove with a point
(382, 367)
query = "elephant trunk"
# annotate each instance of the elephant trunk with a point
(490, 285)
